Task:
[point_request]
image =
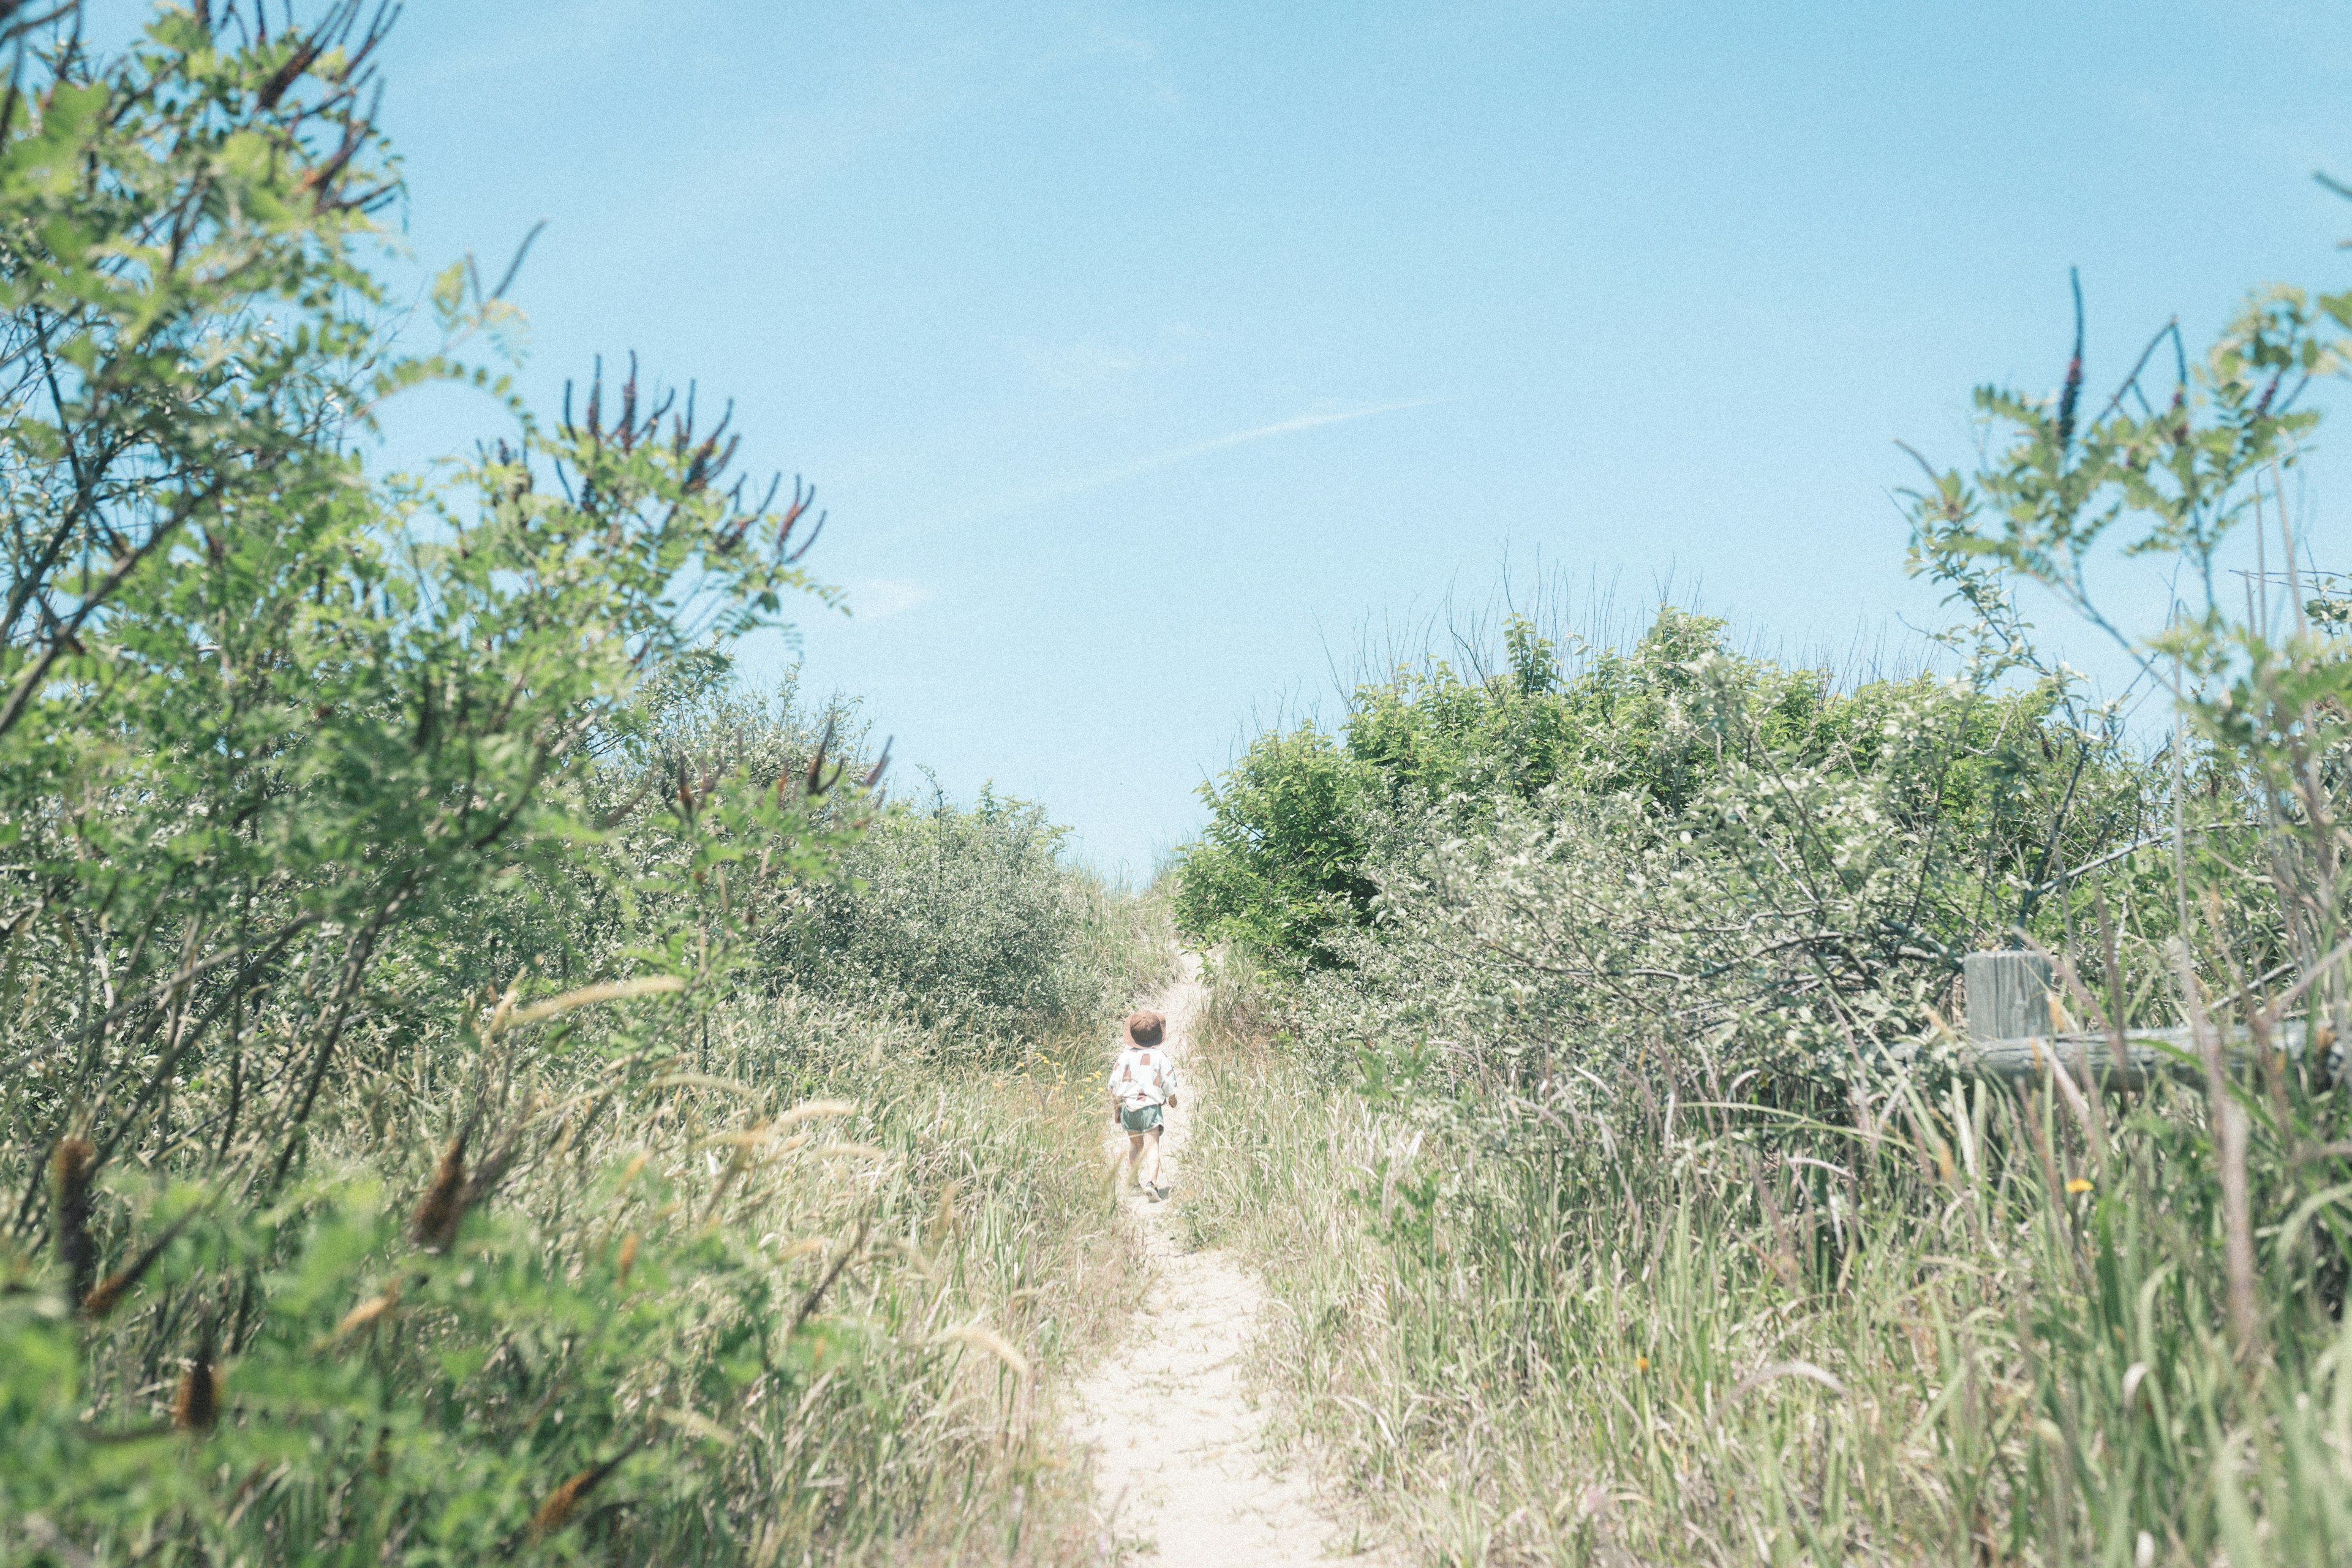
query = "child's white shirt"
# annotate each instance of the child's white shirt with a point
(1143, 1075)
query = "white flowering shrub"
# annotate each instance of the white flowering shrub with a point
(965, 917)
(1723, 853)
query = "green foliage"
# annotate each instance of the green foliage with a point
(2259, 769)
(817, 1342)
(1673, 833)
(1800, 914)
(1280, 866)
(301, 732)
(1630, 721)
(963, 916)
(414, 1145)
(1673, 1222)
(1688, 1329)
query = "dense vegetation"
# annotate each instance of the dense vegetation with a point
(480, 1082)
(477, 1082)
(1670, 831)
(1669, 1218)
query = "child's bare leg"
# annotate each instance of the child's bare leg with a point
(1151, 1159)
(1134, 1155)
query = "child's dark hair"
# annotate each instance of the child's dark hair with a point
(1144, 1029)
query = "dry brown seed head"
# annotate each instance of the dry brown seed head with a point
(72, 1157)
(367, 1313)
(195, 1403)
(111, 1291)
(556, 1511)
(106, 1297)
(435, 1222)
(72, 1162)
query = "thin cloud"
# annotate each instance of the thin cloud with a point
(880, 598)
(1073, 366)
(1169, 460)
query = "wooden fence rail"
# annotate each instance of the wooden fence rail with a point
(2017, 1027)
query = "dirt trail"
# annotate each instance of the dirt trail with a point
(1181, 1467)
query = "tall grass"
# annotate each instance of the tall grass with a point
(795, 1300)
(1983, 1332)
(990, 1264)
(643, 1274)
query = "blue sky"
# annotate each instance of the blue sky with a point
(1143, 354)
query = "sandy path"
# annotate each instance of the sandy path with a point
(1180, 1465)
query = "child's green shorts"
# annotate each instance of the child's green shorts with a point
(1142, 1119)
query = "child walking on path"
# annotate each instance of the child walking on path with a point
(1142, 1087)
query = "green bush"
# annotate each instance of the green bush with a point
(967, 919)
(1997, 784)
(412, 1152)
(754, 1310)
(1280, 867)
(1671, 1219)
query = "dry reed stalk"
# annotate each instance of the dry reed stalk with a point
(809, 1303)
(2112, 1012)
(2230, 1136)
(2092, 1119)
(98, 1303)
(1784, 1261)
(587, 996)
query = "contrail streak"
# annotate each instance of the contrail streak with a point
(1169, 460)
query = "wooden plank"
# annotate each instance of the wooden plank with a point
(2016, 1030)
(2090, 1058)
(2009, 996)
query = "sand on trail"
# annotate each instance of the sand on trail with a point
(1180, 1468)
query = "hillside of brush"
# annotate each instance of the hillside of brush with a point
(1593, 1081)
(476, 1080)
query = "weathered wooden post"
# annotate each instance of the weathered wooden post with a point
(2007, 996)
